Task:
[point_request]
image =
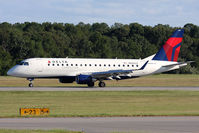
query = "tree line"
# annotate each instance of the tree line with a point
(98, 40)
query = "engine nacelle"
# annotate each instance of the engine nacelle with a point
(66, 79)
(83, 79)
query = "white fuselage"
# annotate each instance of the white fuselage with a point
(61, 67)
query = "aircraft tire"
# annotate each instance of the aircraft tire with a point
(30, 85)
(102, 84)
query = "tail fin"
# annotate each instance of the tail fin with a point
(170, 50)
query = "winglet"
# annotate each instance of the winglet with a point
(142, 68)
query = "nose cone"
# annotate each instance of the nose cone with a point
(14, 71)
(11, 72)
(18, 71)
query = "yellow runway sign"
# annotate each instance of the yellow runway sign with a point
(34, 111)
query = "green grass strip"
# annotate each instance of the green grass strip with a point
(102, 103)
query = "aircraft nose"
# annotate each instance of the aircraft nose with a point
(12, 71)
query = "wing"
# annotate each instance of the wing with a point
(114, 73)
(111, 73)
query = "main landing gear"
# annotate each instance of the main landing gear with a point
(92, 84)
(30, 84)
(102, 84)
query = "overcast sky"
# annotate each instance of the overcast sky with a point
(146, 12)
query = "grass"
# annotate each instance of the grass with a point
(102, 103)
(153, 80)
(35, 131)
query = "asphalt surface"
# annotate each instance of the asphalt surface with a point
(94, 88)
(107, 124)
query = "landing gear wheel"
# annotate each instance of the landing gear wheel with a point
(30, 85)
(91, 84)
(101, 84)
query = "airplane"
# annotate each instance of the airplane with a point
(89, 70)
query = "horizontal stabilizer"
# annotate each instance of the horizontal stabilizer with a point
(179, 63)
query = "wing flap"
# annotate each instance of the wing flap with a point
(110, 73)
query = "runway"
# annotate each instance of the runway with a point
(95, 88)
(107, 124)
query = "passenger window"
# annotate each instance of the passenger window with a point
(123, 65)
(53, 64)
(132, 65)
(109, 65)
(104, 64)
(85, 64)
(118, 65)
(127, 65)
(80, 64)
(57, 64)
(62, 64)
(95, 64)
(100, 65)
(66, 64)
(137, 65)
(71, 64)
(114, 65)
(48, 64)
(89, 64)
(76, 65)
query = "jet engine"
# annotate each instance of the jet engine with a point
(84, 79)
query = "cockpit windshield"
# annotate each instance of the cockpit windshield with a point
(23, 63)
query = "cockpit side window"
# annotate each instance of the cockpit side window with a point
(23, 63)
(26, 64)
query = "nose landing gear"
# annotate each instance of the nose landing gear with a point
(30, 84)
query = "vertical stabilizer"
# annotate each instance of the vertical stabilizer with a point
(170, 50)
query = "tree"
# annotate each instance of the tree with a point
(30, 39)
